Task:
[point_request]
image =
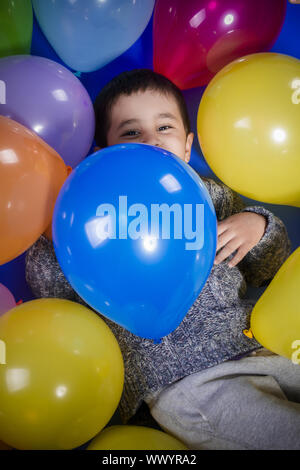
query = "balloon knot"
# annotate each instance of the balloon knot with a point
(248, 333)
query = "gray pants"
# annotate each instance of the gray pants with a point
(251, 403)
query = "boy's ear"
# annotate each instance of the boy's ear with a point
(188, 147)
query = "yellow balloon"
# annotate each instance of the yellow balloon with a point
(62, 378)
(3, 446)
(248, 127)
(275, 319)
(134, 438)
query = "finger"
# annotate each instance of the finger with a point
(224, 238)
(241, 253)
(226, 251)
(222, 226)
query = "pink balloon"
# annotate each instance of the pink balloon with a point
(194, 39)
(7, 300)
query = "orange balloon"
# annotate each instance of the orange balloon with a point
(48, 231)
(31, 175)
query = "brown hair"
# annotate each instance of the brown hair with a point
(127, 83)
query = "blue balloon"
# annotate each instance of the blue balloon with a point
(88, 35)
(139, 55)
(40, 45)
(134, 231)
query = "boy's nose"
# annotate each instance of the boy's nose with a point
(151, 140)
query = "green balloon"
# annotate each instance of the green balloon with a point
(16, 19)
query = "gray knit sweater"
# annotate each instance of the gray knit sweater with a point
(212, 330)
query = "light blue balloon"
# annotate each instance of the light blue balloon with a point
(145, 280)
(88, 34)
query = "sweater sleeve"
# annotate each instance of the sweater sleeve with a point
(225, 201)
(43, 273)
(262, 262)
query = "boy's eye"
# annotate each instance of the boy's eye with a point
(130, 133)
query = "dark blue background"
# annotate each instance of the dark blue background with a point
(12, 274)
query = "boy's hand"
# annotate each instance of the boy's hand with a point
(239, 232)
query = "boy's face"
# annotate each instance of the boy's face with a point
(152, 118)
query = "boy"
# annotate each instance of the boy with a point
(192, 382)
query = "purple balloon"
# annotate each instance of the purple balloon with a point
(7, 300)
(47, 98)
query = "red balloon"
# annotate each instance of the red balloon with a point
(194, 39)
